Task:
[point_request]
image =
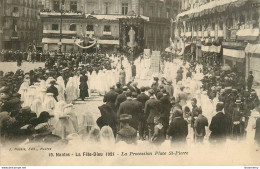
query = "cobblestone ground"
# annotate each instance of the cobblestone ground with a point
(26, 66)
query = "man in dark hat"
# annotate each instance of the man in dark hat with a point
(152, 109)
(250, 80)
(83, 85)
(218, 126)
(121, 97)
(119, 89)
(25, 116)
(199, 127)
(142, 124)
(129, 107)
(178, 129)
(110, 98)
(53, 89)
(238, 120)
(127, 133)
(43, 118)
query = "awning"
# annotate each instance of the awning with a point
(232, 54)
(248, 34)
(211, 7)
(252, 48)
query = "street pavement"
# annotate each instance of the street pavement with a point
(26, 66)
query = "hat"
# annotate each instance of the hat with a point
(125, 87)
(45, 115)
(151, 92)
(238, 101)
(219, 106)
(26, 109)
(125, 117)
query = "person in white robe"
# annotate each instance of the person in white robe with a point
(62, 89)
(49, 103)
(71, 91)
(23, 90)
(30, 96)
(93, 81)
(36, 106)
(59, 109)
(106, 136)
(67, 123)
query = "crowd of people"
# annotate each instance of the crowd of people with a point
(184, 99)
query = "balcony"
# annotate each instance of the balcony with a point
(15, 14)
(51, 31)
(107, 33)
(58, 32)
(90, 32)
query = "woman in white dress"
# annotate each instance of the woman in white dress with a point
(61, 88)
(49, 103)
(107, 136)
(93, 80)
(36, 106)
(71, 91)
(64, 126)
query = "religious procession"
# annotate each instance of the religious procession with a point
(143, 93)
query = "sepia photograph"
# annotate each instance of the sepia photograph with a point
(130, 83)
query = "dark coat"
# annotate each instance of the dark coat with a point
(200, 123)
(120, 99)
(108, 118)
(54, 90)
(178, 130)
(110, 96)
(119, 90)
(142, 98)
(139, 109)
(83, 86)
(130, 107)
(128, 135)
(218, 127)
(257, 131)
(152, 109)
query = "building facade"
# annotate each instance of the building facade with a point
(101, 19)
(1, 23)
(20, 24)
(221, 29)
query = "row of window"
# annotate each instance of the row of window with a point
(107, 7)
(73, 27)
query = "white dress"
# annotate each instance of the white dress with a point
(71, 90)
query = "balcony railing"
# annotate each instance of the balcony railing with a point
(107, 33)
(90, 32)
(58, 31)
